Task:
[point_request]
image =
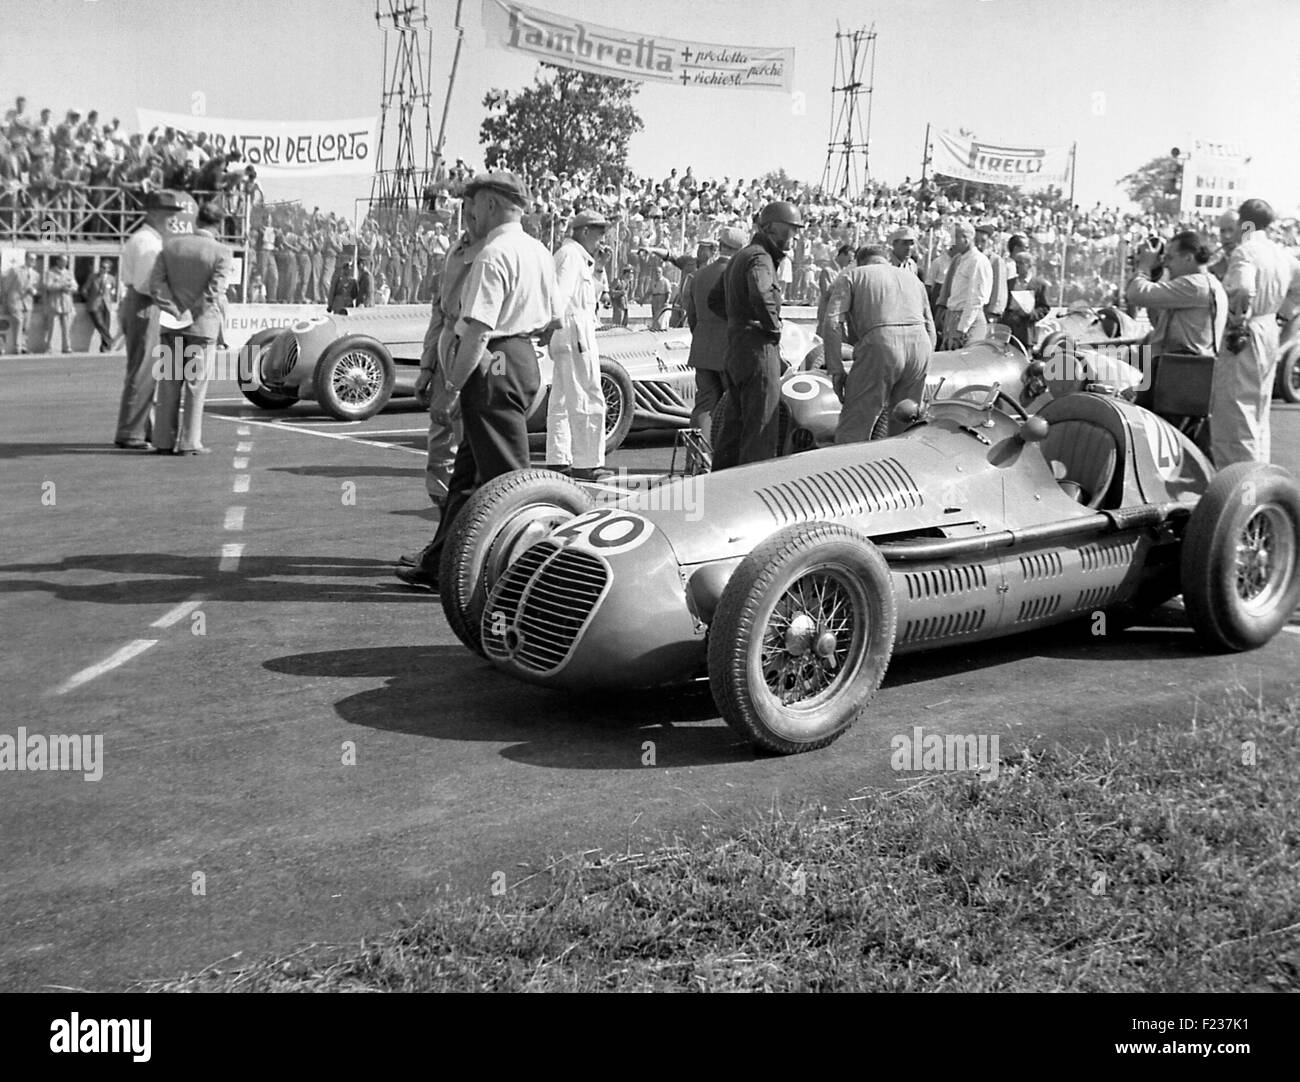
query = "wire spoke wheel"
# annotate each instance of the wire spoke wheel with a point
(815, 626)
(613, 403)
(1265, 558)
(358, 378)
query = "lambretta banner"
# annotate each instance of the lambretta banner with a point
(994, 163)
(298, 148)
(632, 54)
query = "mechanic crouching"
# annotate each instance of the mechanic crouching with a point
(889, 311)
(748, 297)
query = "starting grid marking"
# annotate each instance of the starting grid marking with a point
(280, 426)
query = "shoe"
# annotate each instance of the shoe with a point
(417, 576)
(596, 473)
(416, 559)
(558, 468)
(133, 445)
(196, 451)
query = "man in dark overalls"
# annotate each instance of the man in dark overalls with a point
(748, 297)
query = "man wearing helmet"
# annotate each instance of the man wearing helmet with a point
(748, 297)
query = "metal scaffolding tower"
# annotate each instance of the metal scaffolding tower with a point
(400, 177)
(847, 168)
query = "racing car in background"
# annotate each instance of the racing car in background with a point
(353, 365)
(790, 584)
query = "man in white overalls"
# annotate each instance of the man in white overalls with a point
(575, 419)
(1262, 279)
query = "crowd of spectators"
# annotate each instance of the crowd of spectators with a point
(50, 172)
(68, 173)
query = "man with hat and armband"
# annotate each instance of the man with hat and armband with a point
(166, 214)
(575, 416)
(509, 297)
(748, 296)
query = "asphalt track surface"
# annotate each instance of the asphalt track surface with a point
(223, 751)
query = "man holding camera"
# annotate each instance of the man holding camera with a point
(1188, 307)
(1262, 283)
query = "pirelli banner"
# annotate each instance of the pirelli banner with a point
(996, 163)
(632, 54)
(307, 148)
(1214, 178)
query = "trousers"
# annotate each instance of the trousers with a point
(138, 317)
(494, 408)
(752, 380)
(889, 365)
(575, 411)
(1241, 392)
(446, 432)
(175, 429)
(708, 389)
(979, 329)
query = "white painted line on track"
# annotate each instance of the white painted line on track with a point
(230, 555)
(240, 464)
(324, 435)
(243, 430)
(241, 482)
(243, 447)
(121, 657)
(234, 519)
(1293, 630)
(211, 401)
(179, 613)
(397, 431)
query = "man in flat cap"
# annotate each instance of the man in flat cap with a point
(709, 331)
(575, 416)
(509, 297)
(167, 214)
(902, 242)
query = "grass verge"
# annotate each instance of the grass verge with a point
(1169, 862)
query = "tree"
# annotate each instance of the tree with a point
(571, 122)
(1155, 186)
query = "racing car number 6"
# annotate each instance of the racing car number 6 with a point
(606, 530)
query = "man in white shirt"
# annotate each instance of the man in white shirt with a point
(166, 214)
(575, 416)
(971, 285)
(1262, 281)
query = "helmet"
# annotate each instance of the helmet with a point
(780, 211)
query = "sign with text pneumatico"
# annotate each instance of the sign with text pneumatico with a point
(633, 54)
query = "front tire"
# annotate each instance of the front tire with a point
(251, 389)
(502, 519)
(802, 637)
(1241, 580)
(354, 379)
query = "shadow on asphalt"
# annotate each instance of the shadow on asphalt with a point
(46, 450)
(445, 693)
(349, 471)
(176, 578)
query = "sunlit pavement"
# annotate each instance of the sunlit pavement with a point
(295, 747)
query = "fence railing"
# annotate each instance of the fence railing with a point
(72, 215)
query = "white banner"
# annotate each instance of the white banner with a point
(302, 148)
(995, 163)
(1214, 178)
(633, 54)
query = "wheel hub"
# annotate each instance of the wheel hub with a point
(808, 638)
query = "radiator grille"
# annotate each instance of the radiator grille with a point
(280, 359)
(541, 605)
(868, 487)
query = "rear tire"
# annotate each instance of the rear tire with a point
(620, 404)
(1287, 383)
(501, 520)
(1240, 569)
(802, 637)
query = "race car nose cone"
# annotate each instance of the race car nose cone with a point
(799, 635)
